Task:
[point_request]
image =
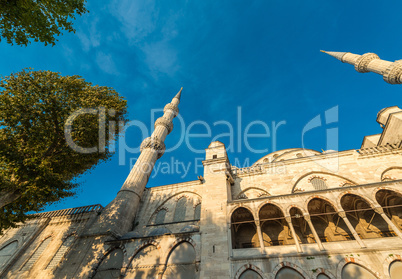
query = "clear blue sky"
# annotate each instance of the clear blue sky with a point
(262, 56)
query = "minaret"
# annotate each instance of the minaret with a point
(118, 216)
(370, 62)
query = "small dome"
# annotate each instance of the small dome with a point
(190, 228)
(131, 235)
(159, 231)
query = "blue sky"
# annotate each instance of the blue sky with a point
(261, 56)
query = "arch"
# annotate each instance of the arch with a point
(334, 205)
(326, 221)
(395, 269)
(392, 173)
(241, 206)
(63, 249)
(243, 228)
(252, 267)
(182, 262)
(287, 211)
(352, 260)
(293, 266)
(7, 252)
(110, 266)
(145, 263)
(36, 254)
(388, 261)
(252, 188)
(177, 196)
(321, 174)
(366, 222)
(322, 271)
(274, 228)
(391, 203)
(366, 199)
(261, 205)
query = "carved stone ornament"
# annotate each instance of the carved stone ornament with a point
(363, 61)
(155, 144)
(161, 121)
(171, 107)
(393, 74)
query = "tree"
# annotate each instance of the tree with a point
(37, 165)
(41, 20)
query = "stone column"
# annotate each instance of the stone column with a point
(351, 228)
(230, 242)
(380, 211)
(292, 229)
(316, 237)
(261, 239)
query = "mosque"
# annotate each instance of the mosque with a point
(309, 221)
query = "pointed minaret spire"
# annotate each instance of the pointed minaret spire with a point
(118, 217)
(370, 62)
(178, 95)
(337, 55)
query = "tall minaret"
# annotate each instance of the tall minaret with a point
(370, 62)
(119, 215)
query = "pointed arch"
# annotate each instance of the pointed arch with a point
(110, 265)
(181, 262)
(286, 264)
(352, 260)
(337, 179)
(145, 263)
(261, 192)
(247, 267)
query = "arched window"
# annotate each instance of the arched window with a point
(160, 217)
(61, 252)
(35, 256)
(180, 212)
(182, 263)
(244, 231)
(110, 267)
(250, 274)
(288, 273)
(197, 212)
(327, 223)
(7, 252)
(395, 270)
(274, 228)
(322, 276)
(318, 183)
(354, 271)
(366, 222)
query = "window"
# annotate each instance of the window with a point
(7, 252)
(180, 212)
(35, 256)
(318, 183)
(61, 252)
(160, 217)
(197, 212)
(214, 156)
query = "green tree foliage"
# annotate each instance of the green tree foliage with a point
(40, 20)
(37, 166)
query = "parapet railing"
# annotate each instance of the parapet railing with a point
(379, 149)
(70, 211)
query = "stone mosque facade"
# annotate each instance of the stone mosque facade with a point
(294, 214)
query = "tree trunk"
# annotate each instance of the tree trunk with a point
(8, 196)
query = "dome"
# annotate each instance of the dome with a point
(190, 228)
(159, 231)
